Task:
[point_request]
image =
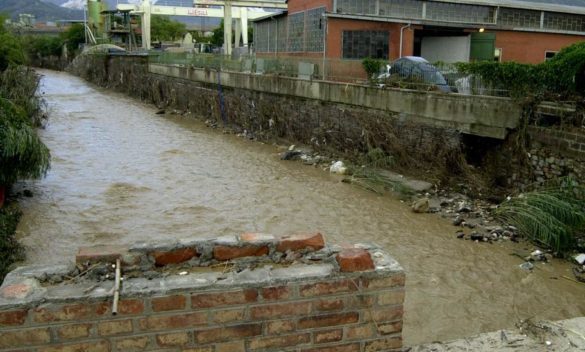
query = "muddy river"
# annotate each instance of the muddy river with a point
(121, 173)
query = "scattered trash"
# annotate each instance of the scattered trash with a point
(338, 168)
(580, 259)
(183, 273)
(460, 235)
(527, 266)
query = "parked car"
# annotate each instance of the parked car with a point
(415, 69)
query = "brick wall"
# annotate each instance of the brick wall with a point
(251, 292)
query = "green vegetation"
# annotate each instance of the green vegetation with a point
(22, 153)
(552, 79)
(10, 250)
(163, 28)
(550, 216)
(38, 47)
(217, 38)
(372, 66)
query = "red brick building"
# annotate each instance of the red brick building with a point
(526, 31)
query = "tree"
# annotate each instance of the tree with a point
(74, 36)
(163, 28)
(217, 37)
(11, 52)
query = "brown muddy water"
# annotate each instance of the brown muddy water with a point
(123, 174)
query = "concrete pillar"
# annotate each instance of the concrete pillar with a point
(146, 24)
(238, 30)
(227, 28)
(244, 21)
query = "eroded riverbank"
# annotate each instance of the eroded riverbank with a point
(122, 174)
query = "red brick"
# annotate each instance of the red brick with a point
(327, 336)
(75, 331)
(96, 346)
(174, 339)
(384, 282)
(132, 344)
(173, 321)
(13, 317)
(380, 315)
(280, 310)
(66, 313)
(162, 304)
(354, 347)
(328, 304)
(130, 307)
(115, 327)
(227, 316)
(208, 300)
(21, 338)
(231, 252)
(361, 301)
(309, 241)
(276, 293)
(234, 346)
(326, 288)
(358, 332)
(99, 254)
(279, 341)
(388, 298)
(227, 333)
(384, 344)
(328, 320)
(354, 259)
(280, 326)
(162, 258)
(389, 328)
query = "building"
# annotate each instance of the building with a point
(528, 31)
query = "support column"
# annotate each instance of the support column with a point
(244, 21)
(238, 30)
(227, 28)
(146, 24)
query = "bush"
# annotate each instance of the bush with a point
(9, 248)
(11, 52)
(372, 66)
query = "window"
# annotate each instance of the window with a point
(564, 22)
(461, 13)
(363, 7)
(516, 18)
(549, 55)
(315, 28)
(362, 44)
(401, 8)
(296, 32)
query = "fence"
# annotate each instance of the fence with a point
(441, 76)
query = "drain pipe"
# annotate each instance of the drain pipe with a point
(401, 34)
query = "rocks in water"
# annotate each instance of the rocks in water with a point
(476, 236)
(421, 205)
(460, 235)
(160, 112)
(27, 193)
(463, 207)
(458, 221)
(291, 155)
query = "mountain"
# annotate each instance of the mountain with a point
(43, 11)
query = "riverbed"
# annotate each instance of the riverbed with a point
(121, 174)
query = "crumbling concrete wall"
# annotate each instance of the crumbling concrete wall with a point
(252, 292)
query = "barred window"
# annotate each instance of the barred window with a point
(564, 22)
(363, 7)
(281, 24)
(516, 18)
(315, 28)
(261, 36)
(362, 44)
(451, 12)
(296, 32)
(401, 8)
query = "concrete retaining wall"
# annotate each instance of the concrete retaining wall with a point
(252, 292)
(482, 116)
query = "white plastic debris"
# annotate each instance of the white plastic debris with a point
(338, 168)
(580, 258)
(548, 343)
(292, 147)
(182, 273)
(527, 266)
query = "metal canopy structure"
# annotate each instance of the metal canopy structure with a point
(241, 11)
